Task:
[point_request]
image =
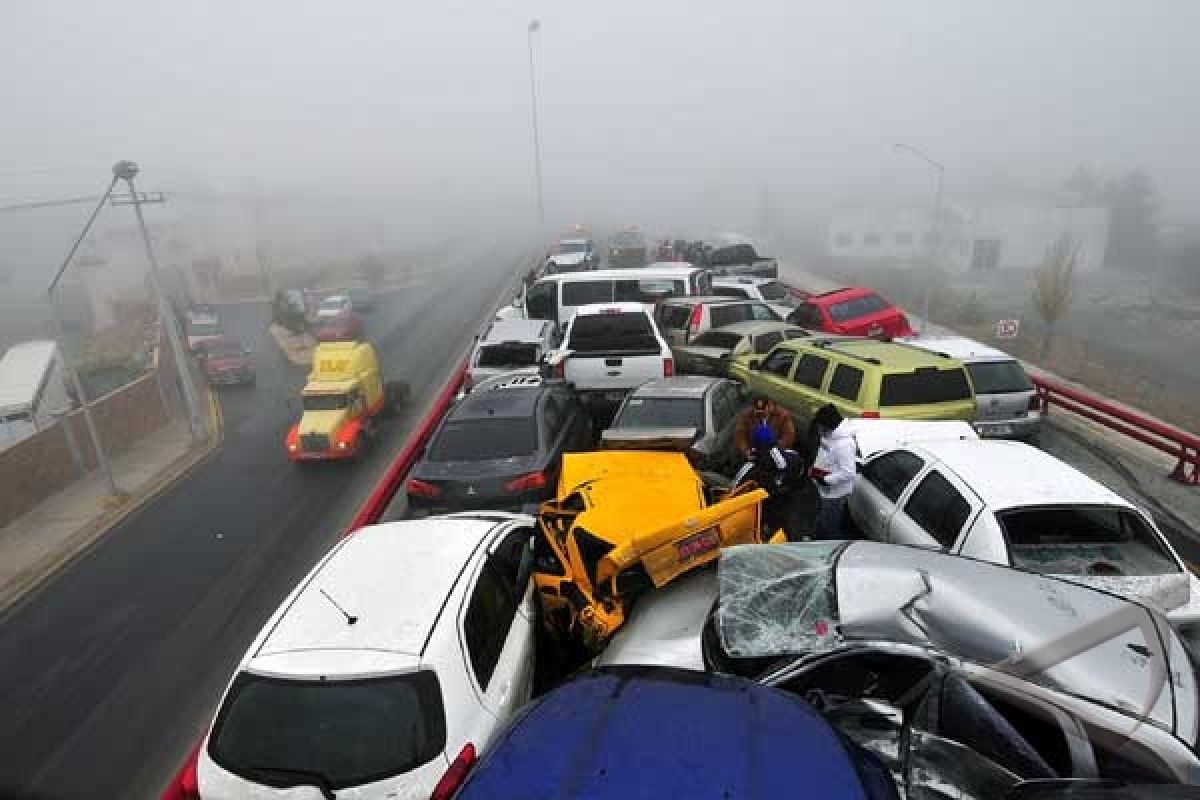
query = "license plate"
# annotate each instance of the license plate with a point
(697, 544)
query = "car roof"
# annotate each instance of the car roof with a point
(600, 309)
(844, 293)
(668, 269)
(653, 732)
(515, 330)
(710, 300)
(335, 298)
(959, 347)
(393, 577)
(677, 386)
(574, 240)
(509, 402)
(889, 355)
(876, 435)
(753, 327)
(744, 280)
(1009, 474)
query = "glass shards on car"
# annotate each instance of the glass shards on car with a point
(808, 598)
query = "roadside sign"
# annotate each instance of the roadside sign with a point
(1007, 328)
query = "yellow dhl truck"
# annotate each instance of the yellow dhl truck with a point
(344, 396)
(623, 522)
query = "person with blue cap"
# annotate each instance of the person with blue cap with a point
(763, 411)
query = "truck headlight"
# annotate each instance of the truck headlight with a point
(343, 445)
(292, 447)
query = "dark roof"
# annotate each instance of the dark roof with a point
(509, 402)
(655, 732)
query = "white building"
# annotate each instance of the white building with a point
(977, 235)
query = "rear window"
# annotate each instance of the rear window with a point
(721, 339)
(1084, 540)
(727, 315)
(582, 293)
(775, 292)
(647, 290)
(925, 385)
(345, 733)
(484, 439)
(612, 333)
(507, 355)
(661, 412)
(857, 307)
(998, 377)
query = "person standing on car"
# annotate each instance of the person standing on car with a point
(763, 409)
(833, 469)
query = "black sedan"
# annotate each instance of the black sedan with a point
(499, 448)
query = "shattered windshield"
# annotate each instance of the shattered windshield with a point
(815, 596)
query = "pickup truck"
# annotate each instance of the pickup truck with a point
(610, 348)
(735, 255)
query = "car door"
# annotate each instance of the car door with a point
(881, 483)
(773, 378)
(935, 513)
(497, 628)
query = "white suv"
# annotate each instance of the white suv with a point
(410, 643)
(782, 298)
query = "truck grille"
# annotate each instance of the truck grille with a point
(314, 442)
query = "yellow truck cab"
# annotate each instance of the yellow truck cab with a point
(344, 393)
(623, 522)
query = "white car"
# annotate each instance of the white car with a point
(510, 345)
(409, 643)
(782, 298)
(571, 255)
(1012, 504)
(335, 306)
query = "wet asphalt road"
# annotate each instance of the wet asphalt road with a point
(110, 672)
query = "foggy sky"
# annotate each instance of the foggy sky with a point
(663, 112)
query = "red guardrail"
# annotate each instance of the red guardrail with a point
(183, 785)
(1184, 446)
(393, 478)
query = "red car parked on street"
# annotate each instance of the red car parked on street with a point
(851, 312)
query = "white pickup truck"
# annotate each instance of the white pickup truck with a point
(609, 349)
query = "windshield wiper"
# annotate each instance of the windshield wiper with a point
(303, 777)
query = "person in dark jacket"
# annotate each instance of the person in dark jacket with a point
(763, 409)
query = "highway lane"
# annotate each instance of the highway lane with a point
(110, 672)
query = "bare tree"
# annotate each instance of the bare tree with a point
(1054, 287)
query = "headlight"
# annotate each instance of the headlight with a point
(343, 445)
(292, 447)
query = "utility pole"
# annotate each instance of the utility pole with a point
(534, 27)
(76, 383)
(126, 171)
(935, 228)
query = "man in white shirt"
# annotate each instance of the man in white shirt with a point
(833, 469)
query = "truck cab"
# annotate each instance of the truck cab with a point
(343, 395)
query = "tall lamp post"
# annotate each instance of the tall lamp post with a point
(77, 384)
(126, 171)
(936, 246)
(534, 27)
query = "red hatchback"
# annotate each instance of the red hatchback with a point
(851, 312)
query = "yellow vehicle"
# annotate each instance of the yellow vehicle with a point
(626, 521)
(344, 395)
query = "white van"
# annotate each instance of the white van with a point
(555, 297)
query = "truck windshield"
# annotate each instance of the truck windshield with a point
(325, 402)
(572, 247)
(342, 732)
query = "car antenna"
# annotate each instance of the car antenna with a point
(350, 618)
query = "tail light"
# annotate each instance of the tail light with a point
(185, 785)
(419, 488)
(456, 775)
(695, 320)
(870, 415)
(527, 483)
(668, 367)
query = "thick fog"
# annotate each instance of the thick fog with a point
(413, 120)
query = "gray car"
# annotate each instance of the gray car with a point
(710, 405)
(710, 352)
(946, 668)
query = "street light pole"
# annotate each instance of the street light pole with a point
(534, 27)
(76, 383)
(126, 171)
(936, 248)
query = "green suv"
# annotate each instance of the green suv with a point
(862, 377)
